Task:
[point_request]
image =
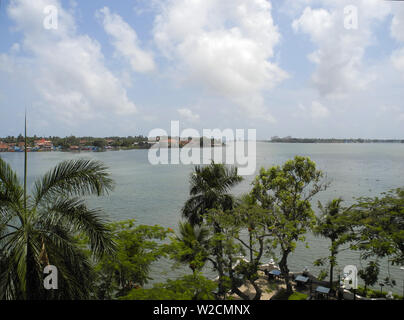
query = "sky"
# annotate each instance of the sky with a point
(302, 68)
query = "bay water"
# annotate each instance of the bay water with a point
(155, 194)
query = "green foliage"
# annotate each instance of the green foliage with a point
(335, 224)
(298, 296)
(209, 193)
(322, 275)
(191, 287)
(379, 226)
(99, 143)
(208, 190)
(248, 218)
(282, 294)
(190, 246)
(370, 293)
(43, 230)
(137, 247)
(285, 192)
(370, 274)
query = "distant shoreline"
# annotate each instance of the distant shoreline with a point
(314, 140)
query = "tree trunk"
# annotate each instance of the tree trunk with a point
(258, 291)
(220, 268)
(283, 265)
(332, 264)
(240, 294)
(331, 274)
(31, 281)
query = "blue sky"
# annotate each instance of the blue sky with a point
(123, 67)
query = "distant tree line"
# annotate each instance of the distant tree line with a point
(331, 140)
(66, 142)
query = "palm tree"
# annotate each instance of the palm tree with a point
(209, 187)
(193, 242)
(43, 229)
(334, 224)
(209, 191)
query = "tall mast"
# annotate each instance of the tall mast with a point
(25, 163)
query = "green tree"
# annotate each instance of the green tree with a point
(41, 229)
(190, 246)
(137, 247)
(209, 186)
(246, 218)
(191, 287)
(285, 192)
(379, 226)
(100, 143)
(370, 274)
(209, 191)
(334, 223)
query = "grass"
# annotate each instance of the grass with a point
(375, 293)
(298, 296)
(282, 294)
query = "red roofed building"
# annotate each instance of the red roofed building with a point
(43, 144)
(3, 146)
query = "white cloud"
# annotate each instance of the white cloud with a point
(397, 24)
(318, 111)
(66, 69)
(187, 114)
(392, 112)
(398, 59)
(397, 31)
(125, 41)
(225, 46)
(339, 54)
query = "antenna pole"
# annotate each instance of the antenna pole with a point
(25, 164)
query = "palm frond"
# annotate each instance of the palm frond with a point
(80, 219)
(74, 268)
(11, 191)
(74, 177)
(208, 190)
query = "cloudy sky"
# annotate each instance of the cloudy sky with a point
(123, 67)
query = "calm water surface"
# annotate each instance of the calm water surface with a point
(155, 194)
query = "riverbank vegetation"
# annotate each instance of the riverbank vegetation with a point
(72, 143)
(230, 236)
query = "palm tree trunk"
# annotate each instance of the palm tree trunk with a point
(31, 281)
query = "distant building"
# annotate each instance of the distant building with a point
(3, 147)
(109, 141)
(43, 144)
